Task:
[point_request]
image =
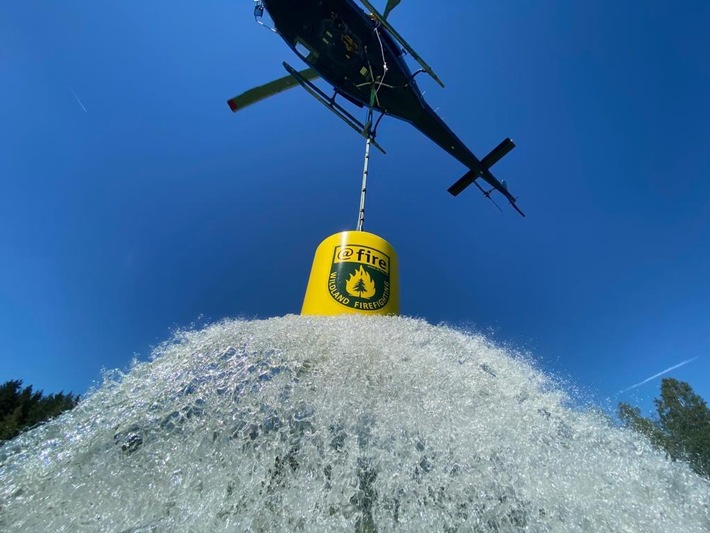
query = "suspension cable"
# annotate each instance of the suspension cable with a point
(384, 60)
(366, 167)
(370, 131)
(363, 191)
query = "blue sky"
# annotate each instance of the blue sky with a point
(134, 202)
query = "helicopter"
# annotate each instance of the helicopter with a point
(363, 58)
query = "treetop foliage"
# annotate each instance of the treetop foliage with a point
(682, 425)
(22, 408)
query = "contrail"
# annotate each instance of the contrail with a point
(78, 101)
(660, 374)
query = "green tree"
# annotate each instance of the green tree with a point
(360, 287)
(682, 425)
(22, 408)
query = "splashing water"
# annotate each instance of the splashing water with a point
(338, 424)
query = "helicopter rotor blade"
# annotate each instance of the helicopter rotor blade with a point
(257, 94)
(391, 4)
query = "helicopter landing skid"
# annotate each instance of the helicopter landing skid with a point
(330, 103)
(381, 19)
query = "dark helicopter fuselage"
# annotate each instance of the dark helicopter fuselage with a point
(340, 42)
(349, 50)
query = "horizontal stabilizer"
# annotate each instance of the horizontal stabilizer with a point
(498, 153)
(483, 172)
(487, 162)
(466, 180)
(257, 94)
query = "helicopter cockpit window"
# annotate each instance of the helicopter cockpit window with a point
(301, 49)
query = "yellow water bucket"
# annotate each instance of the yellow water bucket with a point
(353, 272)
